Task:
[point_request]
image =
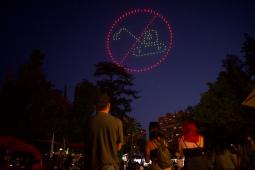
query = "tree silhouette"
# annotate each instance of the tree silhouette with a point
(118, 83)
(34, 107)
(7, 103)
(249, 54)
(220, 112)
(83, 108)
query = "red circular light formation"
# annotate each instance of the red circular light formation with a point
(155, 16)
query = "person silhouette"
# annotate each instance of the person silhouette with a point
(191, 145)
(105, 137)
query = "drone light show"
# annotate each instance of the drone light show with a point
(139, 40)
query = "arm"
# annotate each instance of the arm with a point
(120, 136)
(233, 158)
(201, 141)
(180, 146)
(147, 152)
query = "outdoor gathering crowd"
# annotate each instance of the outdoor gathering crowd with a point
(191, 150)
(104, 140)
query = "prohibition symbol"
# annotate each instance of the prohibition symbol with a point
(139, 40)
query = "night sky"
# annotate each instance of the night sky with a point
(72, 34)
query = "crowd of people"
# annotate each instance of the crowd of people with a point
(191, 150)
(105, 138)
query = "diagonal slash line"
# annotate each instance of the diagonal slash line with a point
(138, 40)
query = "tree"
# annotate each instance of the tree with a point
(7, 93)
(83, 108)
(249, 55)
(36, 108)
(220, 112)
(118, 83)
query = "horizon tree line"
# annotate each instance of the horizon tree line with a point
(32, 108)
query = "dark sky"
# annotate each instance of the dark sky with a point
(72, 34)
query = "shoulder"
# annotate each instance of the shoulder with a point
(150, 144)
(201, 137)
(180, 139)
(115, 120)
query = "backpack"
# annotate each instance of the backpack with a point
(163, 156)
